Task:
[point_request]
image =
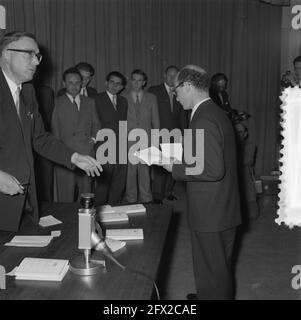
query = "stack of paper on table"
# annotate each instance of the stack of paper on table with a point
(114, 245)
(42, 269)
(113, 217)
(29, 241)
(130, 208)
(124, 234)
(48, 221)
(106, 209)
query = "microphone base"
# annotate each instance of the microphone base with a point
(81, 267)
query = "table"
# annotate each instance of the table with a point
(111, 284)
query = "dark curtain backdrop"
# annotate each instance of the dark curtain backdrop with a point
(238, 37)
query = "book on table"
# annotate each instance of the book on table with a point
(42, 269)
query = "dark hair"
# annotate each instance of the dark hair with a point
(171, 67)
(118, 75)
(142, 73)
(72, 70)
(195, 76)
(217, 77)
(86, 67)
(14, 36)
(297, 59)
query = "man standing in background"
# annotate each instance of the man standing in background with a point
(75, 123)
(87, 72)
(142, 114)
(172, 116)
(112, 108)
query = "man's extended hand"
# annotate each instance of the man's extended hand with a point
(9, 184)
(86, 163)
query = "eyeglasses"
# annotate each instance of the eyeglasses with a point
(30, 53)
(177, 86)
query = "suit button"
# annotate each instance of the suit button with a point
(74, 134)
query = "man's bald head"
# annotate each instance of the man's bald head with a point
(194, 75)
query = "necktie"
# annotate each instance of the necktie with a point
(171, 95)
(137, 106)
(114, 102)
(17, 100)
(75, 104)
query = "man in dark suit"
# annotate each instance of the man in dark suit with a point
(111, 109)
(22, 130)
(172, 116)
(75, 123)
(218, 92)
(211, 184)
(87, 73)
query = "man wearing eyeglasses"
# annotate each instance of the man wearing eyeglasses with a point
(212, 193)
(22, 130)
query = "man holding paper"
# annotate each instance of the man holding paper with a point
(211, 184)
(22, 130)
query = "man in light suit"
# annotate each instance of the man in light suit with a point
(22, 130)
(112, 108)
(142, 113)
(75, 123)
(172, 116)
(211, 184)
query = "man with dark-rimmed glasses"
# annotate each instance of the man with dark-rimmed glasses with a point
(22, 130)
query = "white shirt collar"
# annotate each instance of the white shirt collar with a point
(167, 87)
(135, 94)
(196, 106)
(110, 95)
(12, 85)
(77, 99)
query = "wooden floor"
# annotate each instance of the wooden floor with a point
(266, 254)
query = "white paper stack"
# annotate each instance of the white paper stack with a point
(42, 269)
(106, 209)
(48, 221)
(29, 241)
(131, 208)
(114, 245)
(113, 217)
(124, 234)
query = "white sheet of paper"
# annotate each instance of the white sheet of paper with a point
(48, 221)
(29, 241)
(114, 245)
(56, 233)
(150, 155)
(172, 150)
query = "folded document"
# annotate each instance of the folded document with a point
(41, 269)
(29, 241)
